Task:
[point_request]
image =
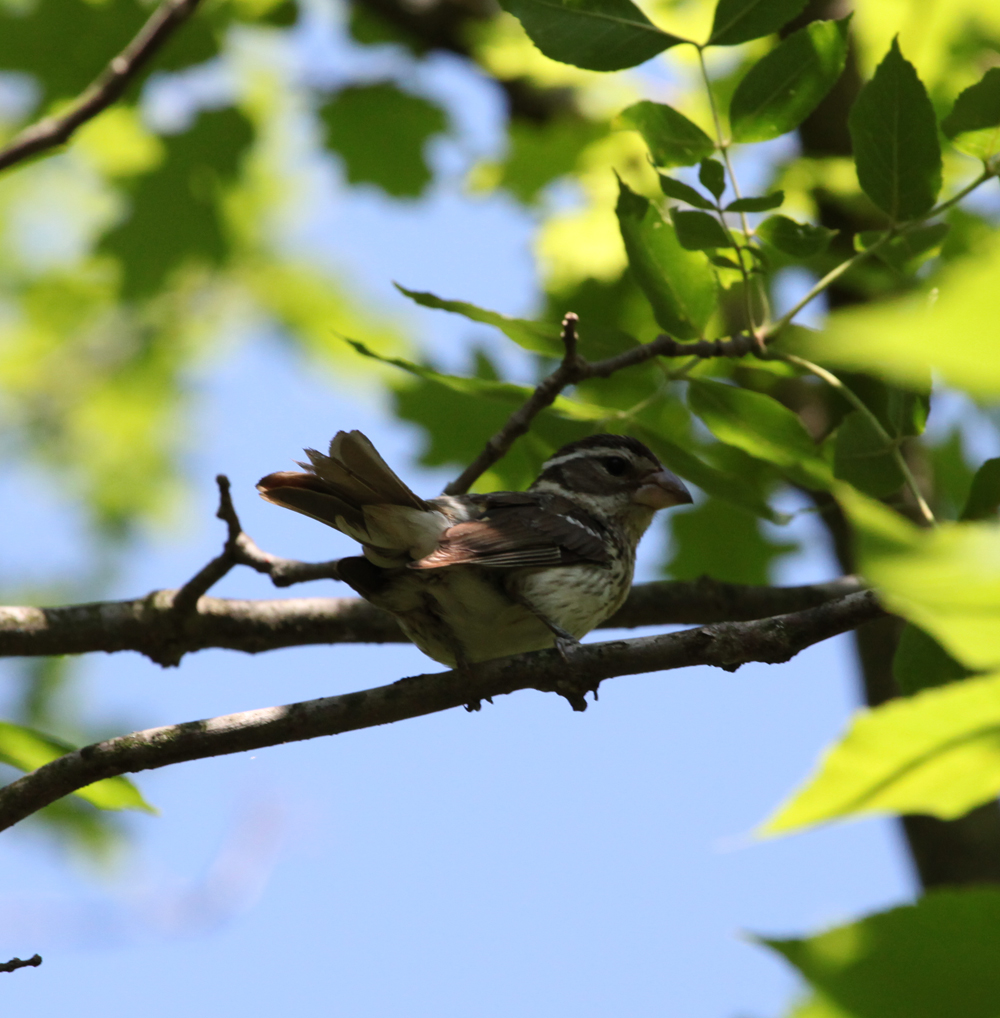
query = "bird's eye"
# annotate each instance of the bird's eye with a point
(615, 465)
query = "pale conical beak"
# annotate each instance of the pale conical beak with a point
(662, 489)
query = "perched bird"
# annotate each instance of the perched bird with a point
(475, 577)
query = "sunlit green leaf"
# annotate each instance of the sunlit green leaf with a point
(800, 240)
(895, 140)
(28, 749)
(864, 458)
(739, 21)
(381, 133)
(760, 426)
(781, 90)
(541, 337)
(698, 231)
(598, 35)
(679, 284)
(974, 122)
(673, 140)
(683, 192)
(933, 958)
(761, 203)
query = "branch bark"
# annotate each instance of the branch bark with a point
(16, 963)
(727, 645)
(109, 86)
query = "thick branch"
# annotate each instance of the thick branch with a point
(16, 963)
(727, 645)
(151, 626)
(106, 88)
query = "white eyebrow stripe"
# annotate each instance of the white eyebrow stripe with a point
(596, 452)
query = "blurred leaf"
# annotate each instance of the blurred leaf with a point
(984, 498)
(862, 457)
(381, 133)
(673, 140)
(683, 192)
(698, 231)
(937, 752)
(28, 749)
(540, 337)
(817, 1006)
(904, 339)
(704, 539)
(598, 35)
(921, 662)
(678, 283)
(952, 474)
(907, 252)
(974, 122)
(761, 427)
(800, 240)
(739, 21)
(945, 581)
(758, 204)
(933, 958)
(175, 215)
(712, 175)
(783, 88)
(894, 135)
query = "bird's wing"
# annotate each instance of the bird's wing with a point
(520, 529)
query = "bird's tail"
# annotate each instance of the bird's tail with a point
(336, 488)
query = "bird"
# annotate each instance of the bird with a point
(474, 577)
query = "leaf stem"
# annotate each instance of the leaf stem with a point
(834, 382)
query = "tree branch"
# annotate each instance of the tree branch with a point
(105, 89)
(727, 645)
(15, 963)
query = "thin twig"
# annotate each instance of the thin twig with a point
(729, 645)
(105, 89)
(16, 963)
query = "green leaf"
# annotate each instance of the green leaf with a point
(974, 122)
(678, 284)
(921, 662)
(720, 261)
(927, 960)
(937, 752)
(598, 35)
(673, 140)
(907, 252)
(800, 240)
(895, 140)
(697, 550)
(761, 427)
(862, 457)
(984, 498)
(28, 749)
(781, 90)
(739, 21)
(945, 580)
(761, 203)
(712, 175)
(698, 231)
(683, 192)
(904, 339)
(381, 133)
(539, 337)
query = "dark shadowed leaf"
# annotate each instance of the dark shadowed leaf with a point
(722, 262)
(762, 203)
(921, 662)
(712, 175)
(683, 192)
(673, 140)
(934, 958)
(598, 35)
(862, 457)
(974, 122)
(800, 240)
(28, 749)
(907, 252)
(541, 337)
(381, 133)
(984, 498)
(698, 231)
(895, 140)
(176, 215)
(739, 21)
(678, 283)
(781, 90)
